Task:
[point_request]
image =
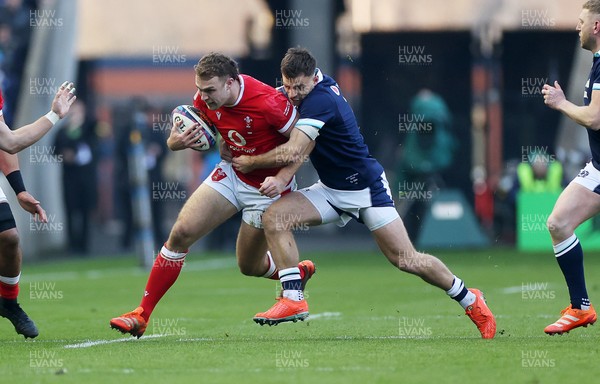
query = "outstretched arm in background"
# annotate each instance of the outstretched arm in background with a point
(21, 138)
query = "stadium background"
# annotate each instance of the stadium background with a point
(132, 61)
(486, 59)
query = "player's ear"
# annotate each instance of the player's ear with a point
(228, 83)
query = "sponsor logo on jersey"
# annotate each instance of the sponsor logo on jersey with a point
(218, 115)
(335, 89)
(236, 138)
(245, 150)
(218, 175)
(583, 173)
(287, 108)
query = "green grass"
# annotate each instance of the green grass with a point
(373, 325)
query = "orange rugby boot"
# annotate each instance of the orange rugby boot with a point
(481, 315)
(283, 310)
(131, 322)
(572, 318)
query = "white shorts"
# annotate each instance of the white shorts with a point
(589, 177)
(244, 197)
(372, 206)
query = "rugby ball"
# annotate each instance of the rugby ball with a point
(188, 116)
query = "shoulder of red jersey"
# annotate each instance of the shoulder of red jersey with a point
(282, 111)
(271, 103)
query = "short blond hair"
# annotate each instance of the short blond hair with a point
(592, 6)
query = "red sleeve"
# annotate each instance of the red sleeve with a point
(1, 103)
(280, 112)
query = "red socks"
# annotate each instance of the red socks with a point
(9, 291)
(272, 272)
(163, 275)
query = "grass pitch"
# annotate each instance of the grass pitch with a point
(369, 324)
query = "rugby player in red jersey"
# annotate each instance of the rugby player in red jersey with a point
(252, 118)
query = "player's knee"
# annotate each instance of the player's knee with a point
(247, 269)
(248, 265)
(180, 237)
(9, 240)
(558, 226)
(269, 220)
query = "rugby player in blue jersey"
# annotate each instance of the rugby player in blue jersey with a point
(352, 185)
(580, 200)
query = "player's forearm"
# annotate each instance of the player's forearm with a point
(8, 162)
(31, 133)
(286, 173)
(280, 156)
(266, 160)
(582, 115)
(19, 139)
(292, 152)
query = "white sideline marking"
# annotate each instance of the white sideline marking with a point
(90, 343)
(210, 264)
(511, 290)
(391, 337)
(196, 265)
(324, 315)
(520, 289)
(201, 339)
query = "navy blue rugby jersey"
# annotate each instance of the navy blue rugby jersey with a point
(593, 84)
(340, 156)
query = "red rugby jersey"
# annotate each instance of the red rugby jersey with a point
(254, 124)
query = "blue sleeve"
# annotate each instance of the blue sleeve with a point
(317, 110)
(595, 80)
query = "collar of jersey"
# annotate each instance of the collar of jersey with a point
(237, 101)
(319, 75)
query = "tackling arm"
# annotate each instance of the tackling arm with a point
(292, 152)
(273, 186)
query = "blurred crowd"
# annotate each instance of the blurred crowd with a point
(14, 42)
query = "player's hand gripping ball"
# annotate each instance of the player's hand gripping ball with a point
(188, 116)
